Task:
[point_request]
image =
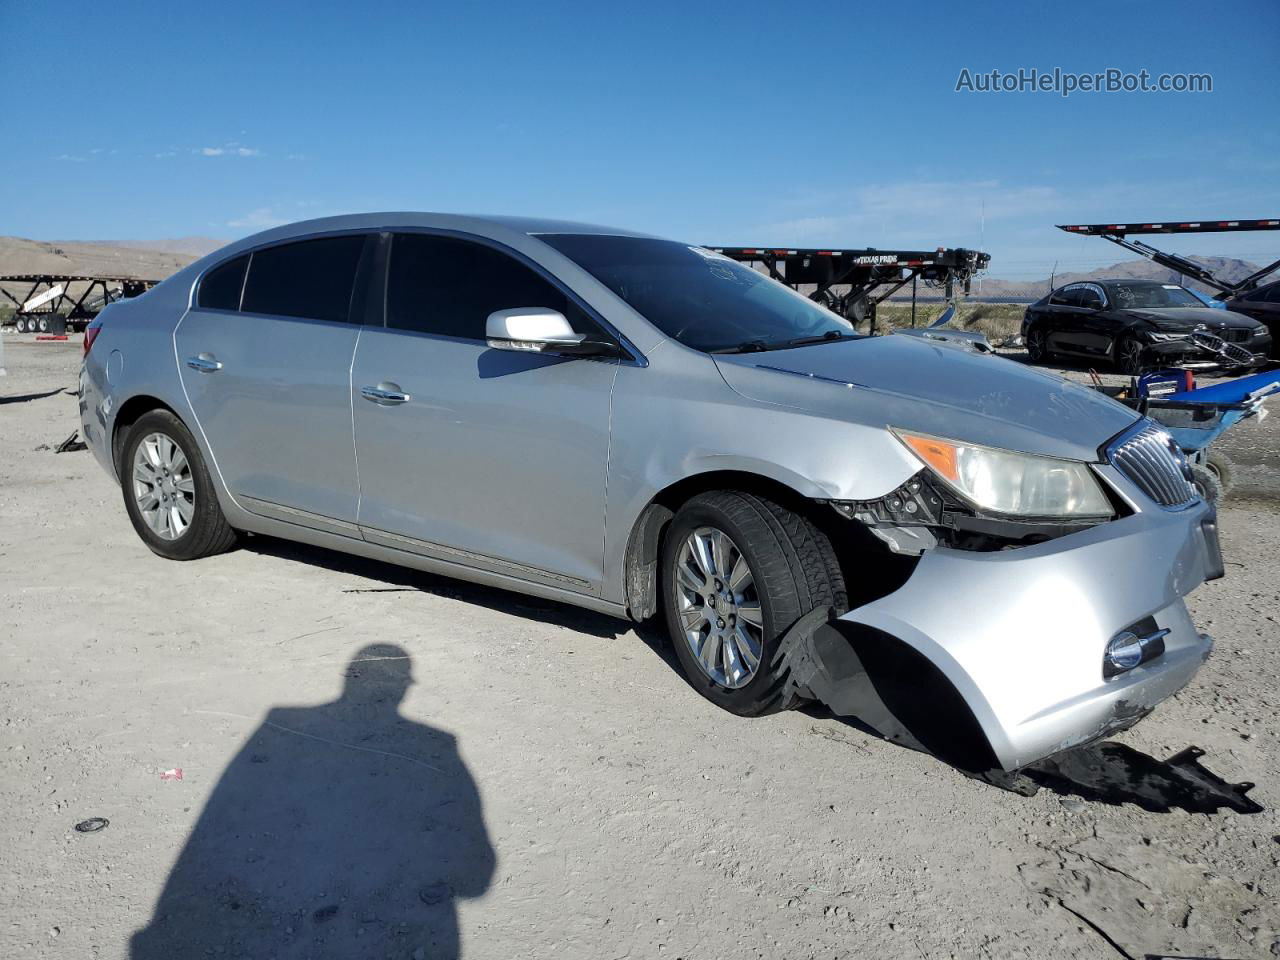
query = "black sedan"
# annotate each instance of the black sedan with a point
(1138, 325)
(1263, 304)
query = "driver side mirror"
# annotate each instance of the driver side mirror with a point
(541, 330)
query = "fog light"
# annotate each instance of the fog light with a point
(1127, 650)
(1124, 652)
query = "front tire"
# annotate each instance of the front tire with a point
(1129, 356)
(168, 492)
(738, 570)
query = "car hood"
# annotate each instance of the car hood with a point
(1178, 319)
(917, 385)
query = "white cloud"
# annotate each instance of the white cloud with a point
(889, 211)
(228, 150)
(70, 157)
(258, 219)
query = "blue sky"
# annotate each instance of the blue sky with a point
(716, 123)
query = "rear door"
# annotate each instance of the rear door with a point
(492, 459)
(265, 356)
(1063, 335)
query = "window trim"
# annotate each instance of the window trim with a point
(629, 354)
(365, 232)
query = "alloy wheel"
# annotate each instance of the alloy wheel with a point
(163, 486)
(1131, 356)
(719, 607)
(1035, 344)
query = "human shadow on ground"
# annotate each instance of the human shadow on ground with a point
(339, 830)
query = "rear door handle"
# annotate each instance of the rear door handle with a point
(386, 394)
(205, 363)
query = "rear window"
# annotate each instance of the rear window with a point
(311, 279)
(221, 286)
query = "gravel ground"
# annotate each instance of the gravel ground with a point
(548, 785)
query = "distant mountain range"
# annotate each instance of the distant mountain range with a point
(19, 255)
(190, 246)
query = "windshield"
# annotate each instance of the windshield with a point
(703, 299)
(1153, 295)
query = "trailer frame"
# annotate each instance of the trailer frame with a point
(1119, 234)
(66, 310)
(870, 275)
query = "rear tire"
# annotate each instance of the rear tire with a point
(1221, 465)
(1207, 484)
(792, 570)
(1038, 345)
(168, 492)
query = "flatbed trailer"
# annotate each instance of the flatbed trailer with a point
(50, 305)
(854, 282)
(1120, 234)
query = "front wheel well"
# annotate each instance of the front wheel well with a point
(130, 412)
(868, 567)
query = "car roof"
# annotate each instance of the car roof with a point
(465, 223)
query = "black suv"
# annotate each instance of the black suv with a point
(1141, 324)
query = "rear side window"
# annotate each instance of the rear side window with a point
(221, 286)
(311, 279)
(448, 287)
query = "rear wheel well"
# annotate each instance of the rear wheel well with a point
(870, 570)
(129, 413)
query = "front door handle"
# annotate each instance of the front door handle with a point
(387, 394)
(205, 363)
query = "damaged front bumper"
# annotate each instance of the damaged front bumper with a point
(1020, 634)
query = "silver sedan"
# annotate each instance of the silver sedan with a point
(978, 558)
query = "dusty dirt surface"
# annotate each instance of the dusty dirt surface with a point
(548, 785)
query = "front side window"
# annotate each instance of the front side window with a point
(448, 287)
(1066, 297)
(312, 279)
(1090, 297)
(700, 298)
(220, 289)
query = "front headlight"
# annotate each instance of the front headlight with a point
(1168, 337)
(1017, 484)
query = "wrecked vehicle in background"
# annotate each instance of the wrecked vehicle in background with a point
(989, 558)
(1136, 325)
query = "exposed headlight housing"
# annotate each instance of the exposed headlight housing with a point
(1169, 337)
(1009, 483)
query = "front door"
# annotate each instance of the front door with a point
(483, 457)
(265, 356)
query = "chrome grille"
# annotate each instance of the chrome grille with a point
(1149, 457)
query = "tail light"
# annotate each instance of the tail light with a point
(91, 334)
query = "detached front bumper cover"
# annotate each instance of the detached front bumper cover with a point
(1019, 635)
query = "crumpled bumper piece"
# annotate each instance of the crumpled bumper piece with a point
(1020, 633)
